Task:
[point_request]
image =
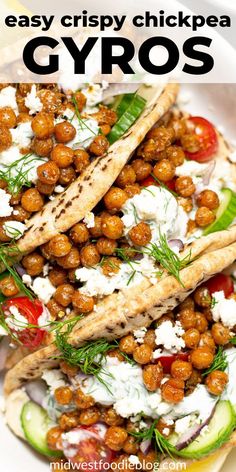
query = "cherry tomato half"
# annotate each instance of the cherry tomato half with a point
(150, 180)
(31, 310)
(220, 282)
(91, 448)
(207, 139)
(166, 361)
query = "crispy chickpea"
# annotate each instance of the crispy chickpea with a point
(216, 382)
(142, 354)
(112, 226)
(7, 117)
(179, 126)
(164, 170)
(80, 100)
(117, 354)
(140, 234)
(172, 391)
(186, 203)
(69, 420)
(105, 129)
(3, 236)
(32, 201)
(150, 338)
(115, 438)
(56, 310)
(79, 233)
(106, 246)
(15, 199)
(206, 339)
(131, 446)
(164, 428)
(127, 344)
(8, 287)
(184, 186)
(89, 416)
(132, 190)
(204, 217)
(96, 230)
(126, 177)
(64, 132)
(176, 155)
(141, 168)
(191, 226)
(71, 260)
(60, 245)
(187, 303)
(115, 198)
(112, 418)
(45, 251)
(147, 459)
(53, 437)
(81, 159)
(152, 376)
(105, 116)
(193, 381)
(209, 199)
(83, 401)
(57, 276)
(201, 322)
(67, 176)
(220, 334)
(71, 275)
(45, 189)
(111, 266)
(191, 338)
(202, 297)
(3, 184)
(181, 369)
(89, 255)
(99, 146)
(33, 263)
(62, 155)
(190, 142)
(5, 138)
(48, 173)
(23, 118)
(63, 395)
(68, 369)
(51, 100)
(43, 125)
(81, 302)
(42, 147)
(187, 318)
(201, 357)
(63, 294)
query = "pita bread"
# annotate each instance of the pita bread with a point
(85, 192)
(123, 312)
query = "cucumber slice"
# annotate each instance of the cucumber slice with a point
(123, 101)
(131, 111)
(219, 430)
(35, 424)
(225, 214)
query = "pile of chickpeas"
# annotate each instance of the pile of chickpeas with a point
(202, 338)
(51, 141)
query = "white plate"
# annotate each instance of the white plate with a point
(215, 102)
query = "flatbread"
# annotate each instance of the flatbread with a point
(123, 312)
(84, 193)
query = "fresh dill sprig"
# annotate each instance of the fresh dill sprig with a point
(168, 259)
(163, 445)
(8, 257)
(219, 363)
(78, 115)
(233, 340)
(213, 302)
(122, 254)
(146, 433)
(16, 175)
(164, 186)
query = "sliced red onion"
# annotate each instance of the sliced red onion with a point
(119, 89)
(193, 433)
(145, 446)
(20, 270)
(4, 349)
(208, 172)
(176, 244)
(36, 390)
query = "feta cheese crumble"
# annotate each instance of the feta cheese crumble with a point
(8, 98)
(170, 336)
(43, 288)
(14, 229)
(5, 207)
(22, 135)
(32, 101)
(15, 320)
(89, 219)
(54, 378)
(224, 309)
(139, 334)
